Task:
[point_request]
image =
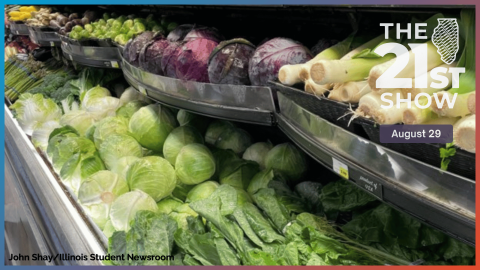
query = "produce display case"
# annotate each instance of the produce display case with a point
(444, 200)
(101, 57)
(249, 104)
(46, 214)
(19, 28)
(44, 36)
(52, 222)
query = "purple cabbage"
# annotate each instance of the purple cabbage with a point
(272, 55)
(228, 63)
(152, 53)
(132, 50)
(169, 59)
(179, 33)
(204, 32)
(192, 60)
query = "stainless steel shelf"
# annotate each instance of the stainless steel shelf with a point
(101, 57)
(249, 104)
(43, 36)
(55, 222)
(441, 199)
(20, 29)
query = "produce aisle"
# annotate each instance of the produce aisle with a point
(157, 131)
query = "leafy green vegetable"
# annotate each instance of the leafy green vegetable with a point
(153, 175)
(215, 129)
(109, 126)
(151, 124)
(445, 154)
(32, 110)
(124, 208)
(194, 164)
(200, 123)
(158, 228)
(287, 159)
(98, 191)
(201, 191)
(257, 152)
(238, 173)
(177, 139)
(342, 196)
(117, 146)
(235, 139)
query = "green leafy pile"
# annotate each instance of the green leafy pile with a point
(239, 231)
(386, 229)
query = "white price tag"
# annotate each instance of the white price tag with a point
(114, 64)
(142, 90)
(340, 168)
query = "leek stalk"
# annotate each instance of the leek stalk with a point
(464, 133)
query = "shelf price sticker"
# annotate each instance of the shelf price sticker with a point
(52, 44)
(114, 64)
(340, 168)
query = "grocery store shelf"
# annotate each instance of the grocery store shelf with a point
(60, 226)
(20, 29)
(248, 104)
(43, 36)
(441, 199)
(101, 57)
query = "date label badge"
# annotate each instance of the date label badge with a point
(416, 134)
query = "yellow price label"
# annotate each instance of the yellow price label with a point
(344, 172)
(340, 168)
(115, 64)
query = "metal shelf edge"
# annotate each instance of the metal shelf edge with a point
(265, 118)
(429, 212)
(61, 220)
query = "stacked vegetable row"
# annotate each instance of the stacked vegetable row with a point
(351, 76)
(199, 53)
(117, 28)
(22, 76)
(141, 176)
(22, 14)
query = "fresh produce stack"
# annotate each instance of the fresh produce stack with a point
(20, 44)
(43, 18)
(201, 190)
(350, 76)
(118, 28)
(22, 76)
(22, 14)
(199, 53)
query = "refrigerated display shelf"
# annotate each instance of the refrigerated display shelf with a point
(101, 57)
(440, 199)
(59, 224)
(19, 28)
(248, 104)
(43, 36)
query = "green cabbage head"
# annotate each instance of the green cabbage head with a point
(151, 124)
(194, 164)
(153, 175)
